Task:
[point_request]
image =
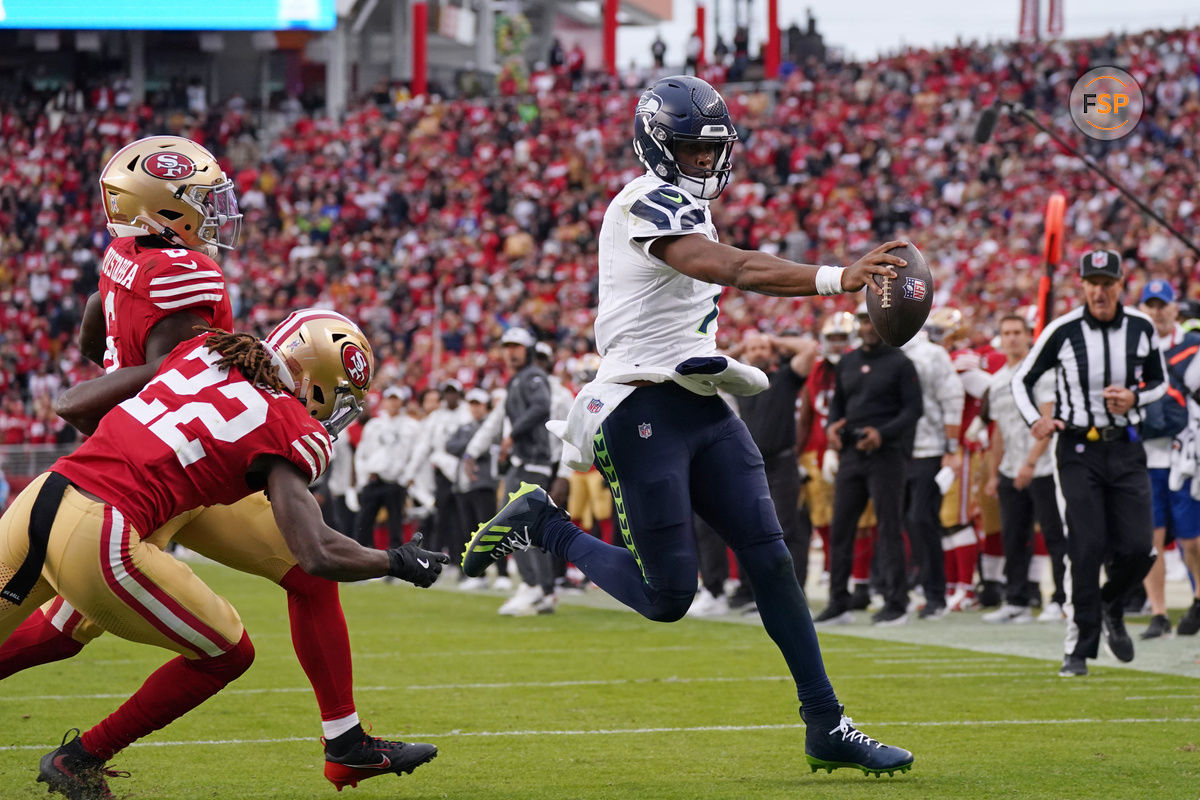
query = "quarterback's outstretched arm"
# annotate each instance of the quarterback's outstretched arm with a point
(703, 259)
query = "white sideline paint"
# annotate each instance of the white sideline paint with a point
(640, 731)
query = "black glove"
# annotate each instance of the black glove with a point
(416, 565)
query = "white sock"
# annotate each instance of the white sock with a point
(334, 728)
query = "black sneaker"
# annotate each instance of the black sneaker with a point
(834, 614)
(1159, 626)
(75, 773)
(1115, 636)
(371, 757)
(741, 598)
(518, 526)
(833, 745)
(1191, 620)
(932, 611)
(890, 616)
(860, 598)
(1073, 666)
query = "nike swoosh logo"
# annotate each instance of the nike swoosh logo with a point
(383, 763)
(678, 198)
(189, 264)
(424, 564)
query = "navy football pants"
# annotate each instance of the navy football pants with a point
(664, 452)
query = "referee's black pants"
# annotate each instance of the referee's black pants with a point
(1107, 491)
(880, 477)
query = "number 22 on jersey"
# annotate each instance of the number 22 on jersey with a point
(166, 424)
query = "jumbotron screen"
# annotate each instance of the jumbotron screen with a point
(255, 15)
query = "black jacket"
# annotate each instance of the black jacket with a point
(527, 407)
(877, 388)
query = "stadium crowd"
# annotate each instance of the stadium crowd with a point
(439, 225)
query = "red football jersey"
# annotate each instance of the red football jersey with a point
(819, 387)
(188, 439)
(141, 285)
(984, 357)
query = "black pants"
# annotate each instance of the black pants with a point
(448, 530)
(340, 517)
(783, 481)
(923, 500)
(1109, 523)
(1019, 508)
(880, 477)
(374, 496)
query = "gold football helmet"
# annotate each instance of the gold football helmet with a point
(837, 335)
(171, 187)
(945, 325)
(326, 361)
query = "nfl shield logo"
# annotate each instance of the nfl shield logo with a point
(594, 406)
(644, 430)
(1100, 259)
(914, 289)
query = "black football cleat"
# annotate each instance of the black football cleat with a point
(75, 773)
(372, 757)
(517, 526)
(843, 745)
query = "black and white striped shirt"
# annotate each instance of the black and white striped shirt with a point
(1086, 356)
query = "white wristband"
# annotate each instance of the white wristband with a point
(829, 280)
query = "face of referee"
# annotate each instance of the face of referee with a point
(1101, 294)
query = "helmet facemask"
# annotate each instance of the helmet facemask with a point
(219, 207)
(706, 184)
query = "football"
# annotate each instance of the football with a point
(901, 310)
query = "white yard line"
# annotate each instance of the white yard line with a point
(457, 734)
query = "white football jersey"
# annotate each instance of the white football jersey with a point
(650, 315)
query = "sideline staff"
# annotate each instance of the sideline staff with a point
(1106, 368)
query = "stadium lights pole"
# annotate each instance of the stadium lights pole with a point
(987, 124)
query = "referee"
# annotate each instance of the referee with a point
(1106, 369)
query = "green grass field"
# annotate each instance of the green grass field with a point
(599, 703)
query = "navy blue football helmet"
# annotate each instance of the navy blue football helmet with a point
(681, 108)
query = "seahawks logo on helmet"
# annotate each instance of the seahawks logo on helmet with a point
(648, 105)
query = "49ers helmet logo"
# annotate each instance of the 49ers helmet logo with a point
(358, 368)
(169, 166)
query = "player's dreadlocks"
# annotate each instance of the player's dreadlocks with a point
(248, 355)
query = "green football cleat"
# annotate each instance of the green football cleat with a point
(845, 746)
(517, 527)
